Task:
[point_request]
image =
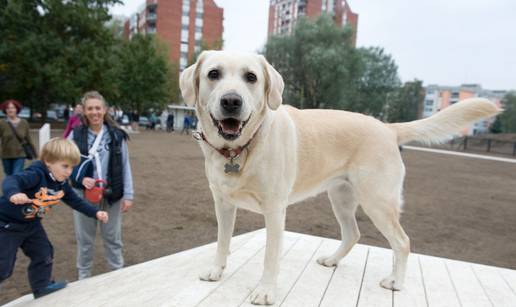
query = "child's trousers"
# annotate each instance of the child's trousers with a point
(33, 241)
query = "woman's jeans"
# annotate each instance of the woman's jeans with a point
(13, 166)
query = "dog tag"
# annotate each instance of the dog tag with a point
(231, 167)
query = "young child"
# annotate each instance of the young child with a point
(20, 225)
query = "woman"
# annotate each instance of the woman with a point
(110, 162)
(13, 155)
(74, 121)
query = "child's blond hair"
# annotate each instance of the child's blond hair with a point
(59, 149)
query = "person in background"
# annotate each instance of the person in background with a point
(74, 121)
(186, 124)
(170, 122)
(135, 120)
(153, 119)
(13, 155)
(163, 120)
(110, 162)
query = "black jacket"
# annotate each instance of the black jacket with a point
(30, 181)
(115, 190)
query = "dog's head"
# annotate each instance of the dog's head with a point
(231, 91)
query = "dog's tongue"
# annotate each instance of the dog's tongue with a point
(230, 126)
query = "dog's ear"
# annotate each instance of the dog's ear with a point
(273, 85)
(189, 81)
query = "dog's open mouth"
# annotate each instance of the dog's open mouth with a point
(229, 128)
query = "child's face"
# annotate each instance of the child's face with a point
(61, 170)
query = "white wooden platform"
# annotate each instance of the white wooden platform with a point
(173, 280)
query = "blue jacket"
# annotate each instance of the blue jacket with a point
(30, 181)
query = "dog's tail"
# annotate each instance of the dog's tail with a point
(442, 125)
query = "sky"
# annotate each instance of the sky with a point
(444, 42)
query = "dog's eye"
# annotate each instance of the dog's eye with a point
(214, 74)
(250, 77)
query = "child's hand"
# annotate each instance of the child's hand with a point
(20, 199)
(102, 216)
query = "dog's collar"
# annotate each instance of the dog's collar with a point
(228, 153)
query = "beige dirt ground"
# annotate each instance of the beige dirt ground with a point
(455, 207)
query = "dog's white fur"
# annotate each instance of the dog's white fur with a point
(295, 154)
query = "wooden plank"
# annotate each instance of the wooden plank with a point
(510, 278)
(469, 289)
(344, 287)
(496, 288)
(294, 263)
(193, 290)
(173, 280)
(439, 287)
(163, 274)
(379, 266)
(413, 292)
(236, 290)
(311, 285)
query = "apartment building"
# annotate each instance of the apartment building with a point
(283, 14)
(184, 25)
(440, 97)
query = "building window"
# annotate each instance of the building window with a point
(429, 102)
(183, 62)
(185, 20)
(184, 27)
(184, 35)
(198, 35)
(198, 22)
(184, 47)
(200, 7)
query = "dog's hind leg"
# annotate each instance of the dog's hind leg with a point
(344, 205)
(226, 223)
(385, 216)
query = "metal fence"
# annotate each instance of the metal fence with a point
(482, 144)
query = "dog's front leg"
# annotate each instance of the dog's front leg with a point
(226, 223)
(266, 290)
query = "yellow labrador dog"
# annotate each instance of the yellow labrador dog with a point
(262, 156)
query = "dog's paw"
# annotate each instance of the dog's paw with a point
(391, 283)
(213, 274)
(328, 261)
(263, 295)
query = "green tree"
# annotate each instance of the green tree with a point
(145, 74)
(405, 103)
(496, 127)
(376, 80)
(317, 63)
(53, 50)
(508, 116)
(321, 68)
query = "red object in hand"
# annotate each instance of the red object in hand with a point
(95, 194)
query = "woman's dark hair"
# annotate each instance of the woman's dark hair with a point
(15, 103)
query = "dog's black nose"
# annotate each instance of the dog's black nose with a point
(231, 103)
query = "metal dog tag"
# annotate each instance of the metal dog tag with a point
(231, 167)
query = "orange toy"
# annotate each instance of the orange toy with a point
(42, 203)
